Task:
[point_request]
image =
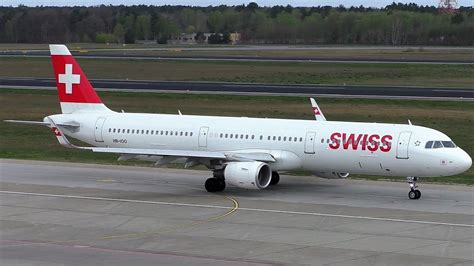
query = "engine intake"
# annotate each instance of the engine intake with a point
(249, 175)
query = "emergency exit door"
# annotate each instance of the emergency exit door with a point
(203, 136)
(402, 145)
(309, 142)
(98, 129)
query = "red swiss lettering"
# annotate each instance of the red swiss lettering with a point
(335, 141)
(386, 143)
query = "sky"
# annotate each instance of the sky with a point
(372, 3)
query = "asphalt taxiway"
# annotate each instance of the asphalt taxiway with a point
(70, 214)
(385, 92)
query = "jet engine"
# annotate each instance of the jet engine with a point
(332, 175)
(249, 175)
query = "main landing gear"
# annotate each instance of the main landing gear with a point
(414, 192)
(217, 182)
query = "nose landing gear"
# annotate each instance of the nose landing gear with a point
(414, 192)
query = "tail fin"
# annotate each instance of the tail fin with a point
(74, 89)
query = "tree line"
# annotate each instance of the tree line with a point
(395, 24)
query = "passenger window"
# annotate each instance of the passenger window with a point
(284, 138)
(268, 138)
(246, 136)
(437, 145)
(274, 138)
(191, 134)
(231, 135)
(261, 137)
(429, 144)
(110, 130)
(301, 139)
(448, 144)
(133, 131)
(279, 138)
(181, 133)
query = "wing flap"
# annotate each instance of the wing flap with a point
(159, 152)
(252, 156)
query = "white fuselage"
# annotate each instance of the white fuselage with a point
(316, 146)
(296, 144)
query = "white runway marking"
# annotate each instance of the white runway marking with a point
(240, 209)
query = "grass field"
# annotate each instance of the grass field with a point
(33, 142)
(279, 51)
(259, 72)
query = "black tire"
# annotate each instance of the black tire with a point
(412, 194)
(418, 194)
(221, 183)
(275, 178)
(211, 185)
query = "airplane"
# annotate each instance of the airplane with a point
(247, 152)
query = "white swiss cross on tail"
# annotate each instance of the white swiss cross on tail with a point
(68, 78)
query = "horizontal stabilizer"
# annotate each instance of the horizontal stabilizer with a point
(41, 123)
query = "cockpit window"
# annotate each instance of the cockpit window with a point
(429, 144)
(448, 144)
(437, 144)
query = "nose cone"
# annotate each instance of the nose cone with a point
(465, 162)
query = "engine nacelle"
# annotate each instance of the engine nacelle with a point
(249, 175)
(332, 175)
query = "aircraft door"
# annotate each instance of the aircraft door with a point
(309, 142)
(98, 129)
(402, 144)
(203, 136)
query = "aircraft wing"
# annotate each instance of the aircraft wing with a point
(224, 155)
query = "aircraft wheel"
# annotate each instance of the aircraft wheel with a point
(221, 185)
(418, 194)
(412, 194)
(275, 178)
(212, 185)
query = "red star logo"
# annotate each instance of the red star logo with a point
(316, 111)
(56, 131)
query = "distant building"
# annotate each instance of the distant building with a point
(190, 38)
(235, 38)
